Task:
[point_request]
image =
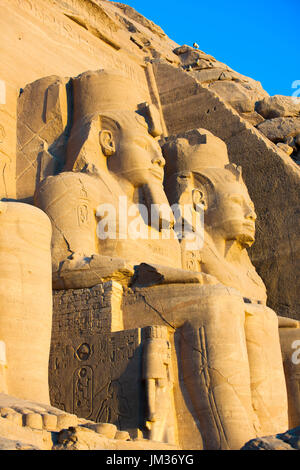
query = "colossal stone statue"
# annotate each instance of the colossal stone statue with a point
(193, 162)
(196, 160)
(110, 154)
(199, 161)
(229, 343)
(25, 300)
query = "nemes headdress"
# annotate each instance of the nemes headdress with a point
(194, 151)
(199, 153)
(103, 96)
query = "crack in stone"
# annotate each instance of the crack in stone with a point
(157, 311)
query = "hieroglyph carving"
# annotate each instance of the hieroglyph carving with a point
(97, 376)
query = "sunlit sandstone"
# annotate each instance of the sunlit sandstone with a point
(147, 335)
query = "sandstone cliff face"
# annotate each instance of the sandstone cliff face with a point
(46, 43)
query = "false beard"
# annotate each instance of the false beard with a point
(159, 210)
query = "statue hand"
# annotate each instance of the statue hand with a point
(151, 274)
(81, 270)
(205, 279)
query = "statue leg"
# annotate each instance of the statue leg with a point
(216, 370)
(268, 388)
(220, 362)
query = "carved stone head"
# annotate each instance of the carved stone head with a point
(229, 210)
(113, 130)
(198, 172)
(133, 153)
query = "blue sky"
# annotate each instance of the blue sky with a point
(260, 39)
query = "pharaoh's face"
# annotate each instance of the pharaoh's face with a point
(233, 214)
(138, 157)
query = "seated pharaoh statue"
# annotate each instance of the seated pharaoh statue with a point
(198, 175)
(113, 165)
(229, 342)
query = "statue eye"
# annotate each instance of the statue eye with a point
(143, 144)
(184, 176)
(237, 199)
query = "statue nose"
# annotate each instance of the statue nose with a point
(158, 160)
(251, 214)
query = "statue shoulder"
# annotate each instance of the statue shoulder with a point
(73, 186)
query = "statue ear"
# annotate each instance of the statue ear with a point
(107, 142)
(199, 198)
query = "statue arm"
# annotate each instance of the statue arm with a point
(86, 271)
(151, 274)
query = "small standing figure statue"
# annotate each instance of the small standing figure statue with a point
(158, 377)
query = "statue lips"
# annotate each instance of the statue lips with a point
(157, 172)
(248, 236)
(248, 224)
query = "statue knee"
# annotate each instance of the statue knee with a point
(218, 305)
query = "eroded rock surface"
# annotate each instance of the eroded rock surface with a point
(278, 106)
(287, 441)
